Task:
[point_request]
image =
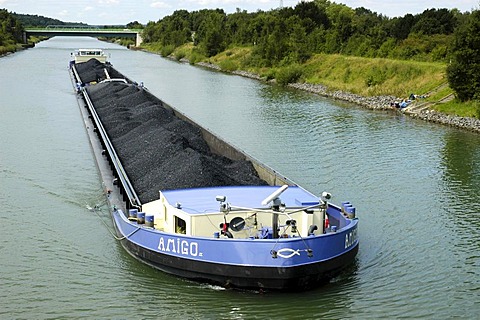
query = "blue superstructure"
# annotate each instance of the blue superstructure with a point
(250, 257)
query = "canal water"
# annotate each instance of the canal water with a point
(415, 186)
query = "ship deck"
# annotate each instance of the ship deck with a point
(203, 200)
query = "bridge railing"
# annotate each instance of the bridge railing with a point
(96, 32)
(53, 28)
(71, 27)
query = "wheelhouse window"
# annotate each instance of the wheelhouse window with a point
(180, 225)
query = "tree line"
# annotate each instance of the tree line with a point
(11, 31)
(29, 20)
(292, 35)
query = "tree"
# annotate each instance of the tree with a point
(299, 51)
(312, 15)
(134, 25)
(399, 28)
(435, 21)
(11, 29)
(210, 32)
(272, 44)
(371, 28)
(239, 28)
(341, 18)
(464, 72)
(173, 30)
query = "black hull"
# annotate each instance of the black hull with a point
(290, 279)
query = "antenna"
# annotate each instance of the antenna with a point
(281, 4)
(274, 195)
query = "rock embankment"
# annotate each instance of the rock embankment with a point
(384, 103)
(373, 103)
(158, 150)
(471, 124)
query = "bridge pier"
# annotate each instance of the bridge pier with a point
(138, 39)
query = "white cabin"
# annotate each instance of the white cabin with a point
(83, 55)
(196, 212)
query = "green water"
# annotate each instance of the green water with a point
(415, 185)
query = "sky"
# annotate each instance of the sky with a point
(121, 12)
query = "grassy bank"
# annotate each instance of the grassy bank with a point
(8, 49)
(373, 77)
(14, 47)
(362, 76)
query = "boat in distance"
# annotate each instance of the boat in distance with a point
(273, 235)
(83, 55)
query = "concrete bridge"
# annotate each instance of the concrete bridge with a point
(81, 31)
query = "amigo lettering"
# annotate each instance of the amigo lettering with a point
(350, 238)
(179, 246)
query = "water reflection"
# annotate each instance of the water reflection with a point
(461, 158)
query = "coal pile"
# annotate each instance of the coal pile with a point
(158, 150)
(94, 71)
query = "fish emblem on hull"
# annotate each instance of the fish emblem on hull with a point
(287, 253)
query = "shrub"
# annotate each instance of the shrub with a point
(195, 57)
(464, 71)
(375, 77)
(386, 48)
(228, 65)
(269, 74)
(7, 49)
(167, 50)
(346, 75)
(180, 54)
(289, 74)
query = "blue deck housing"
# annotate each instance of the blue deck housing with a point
(202, 200)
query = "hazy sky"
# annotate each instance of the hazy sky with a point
(124, 11)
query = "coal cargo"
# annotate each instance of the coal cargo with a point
(94, 71)
(158, 150)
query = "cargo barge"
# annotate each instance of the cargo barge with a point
(186, 202)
